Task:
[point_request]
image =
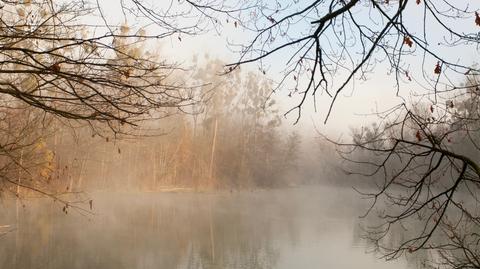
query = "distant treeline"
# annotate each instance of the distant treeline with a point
(231, 139)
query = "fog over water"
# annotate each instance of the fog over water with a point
(307, 227)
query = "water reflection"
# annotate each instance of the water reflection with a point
(294, 228)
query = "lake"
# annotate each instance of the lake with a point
(308, 227)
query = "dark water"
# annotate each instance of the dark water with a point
(311, 227)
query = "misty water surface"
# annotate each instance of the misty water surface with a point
(309, 227)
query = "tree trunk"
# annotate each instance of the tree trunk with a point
(17, 209)
(102, 169)
(154, 187)
(80, 173)
(212, 156)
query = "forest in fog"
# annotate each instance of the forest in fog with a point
(233, 139)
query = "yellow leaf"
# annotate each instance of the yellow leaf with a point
(124, 29)
(21, 12)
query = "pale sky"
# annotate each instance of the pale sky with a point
(360, 98)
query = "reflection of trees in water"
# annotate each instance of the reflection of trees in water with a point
(248, 255)
(237, 235)
(425, 258)
(153, 232)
